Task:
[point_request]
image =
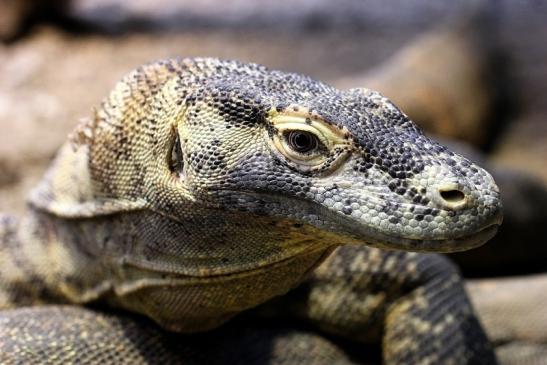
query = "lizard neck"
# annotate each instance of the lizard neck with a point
(21, 280)
(38, 267)
(135, 260)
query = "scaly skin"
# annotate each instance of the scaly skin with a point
(203, 188)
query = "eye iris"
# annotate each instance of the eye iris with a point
(302, 141)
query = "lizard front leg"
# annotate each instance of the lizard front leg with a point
(415, 303)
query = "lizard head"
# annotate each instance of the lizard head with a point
(347, 162)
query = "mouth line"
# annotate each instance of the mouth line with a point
(444, 245)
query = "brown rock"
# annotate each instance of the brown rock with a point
(16, 15)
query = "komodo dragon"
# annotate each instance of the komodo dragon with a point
(202, 188)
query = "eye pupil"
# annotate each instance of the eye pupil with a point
(302, 141)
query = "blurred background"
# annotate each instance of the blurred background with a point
(472, 73)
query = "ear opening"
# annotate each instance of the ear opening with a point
(176, 157)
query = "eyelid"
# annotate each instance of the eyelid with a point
(330, 138)
(329, 135)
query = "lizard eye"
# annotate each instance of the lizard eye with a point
(176, 160)
(302, 146)
(302, 141)
(306, 144)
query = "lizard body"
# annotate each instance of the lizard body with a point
(202, 188)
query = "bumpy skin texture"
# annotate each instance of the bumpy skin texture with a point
(104, 338)
(202, 188)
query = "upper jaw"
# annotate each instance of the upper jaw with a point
(463, 242)
(353, 231)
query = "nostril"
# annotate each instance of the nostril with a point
(453, 196)
(450, 196)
